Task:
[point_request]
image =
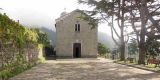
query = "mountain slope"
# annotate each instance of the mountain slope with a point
(106, 40)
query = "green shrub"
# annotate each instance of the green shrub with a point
(5, 74)
(12, 70)
(102, 50)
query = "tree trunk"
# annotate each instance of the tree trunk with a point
(141, 54)
(142, 33)
(122, 46)
(122, 51)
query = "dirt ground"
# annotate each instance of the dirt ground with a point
(85, 69)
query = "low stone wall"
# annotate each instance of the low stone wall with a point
(28, 55)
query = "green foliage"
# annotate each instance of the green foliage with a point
(11, 31)
(153, 47)
(13, 70)
(102, 8)
(31, 35)
(102, 50)
(108, 11)
(41, 58)
(42, 37)
(87, 17)
(151, 65)
(133, 47)
(5, 74)
(21, 39)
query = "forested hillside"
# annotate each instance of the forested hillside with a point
(106, 40)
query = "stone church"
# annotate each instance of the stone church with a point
(75, 38)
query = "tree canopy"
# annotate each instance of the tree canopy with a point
(141, 15)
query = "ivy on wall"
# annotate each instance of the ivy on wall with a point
(18, 47)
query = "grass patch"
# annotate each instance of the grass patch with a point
(12, 71)
(135, 63)
(126, 62)
(151, 66)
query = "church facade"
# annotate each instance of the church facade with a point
(75, 38)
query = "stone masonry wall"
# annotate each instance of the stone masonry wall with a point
(66, 36)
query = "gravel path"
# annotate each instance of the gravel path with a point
(85, 69)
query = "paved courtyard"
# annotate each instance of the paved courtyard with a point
(85, 69)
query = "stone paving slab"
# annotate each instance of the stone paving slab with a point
(85, 69)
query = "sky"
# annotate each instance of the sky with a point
(41, 13)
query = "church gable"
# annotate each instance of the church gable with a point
(74, 36)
